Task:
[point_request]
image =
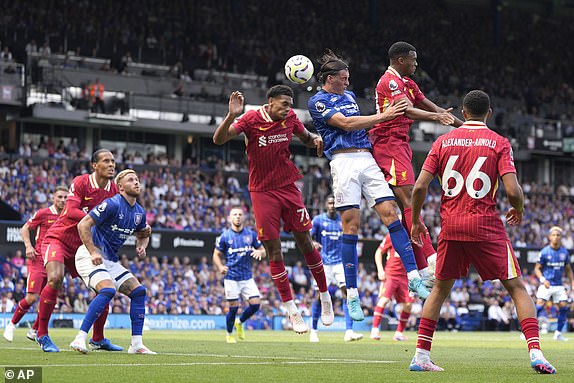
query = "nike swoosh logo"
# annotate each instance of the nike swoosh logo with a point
(264, 129)
(51, 221)
(88, 198)
(306, 223)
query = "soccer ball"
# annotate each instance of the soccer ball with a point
(299, 69)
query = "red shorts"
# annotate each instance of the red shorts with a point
(54, 250)
(272, 206)
(398, 288)
(36, 275)
(396, 164)
(492, 259)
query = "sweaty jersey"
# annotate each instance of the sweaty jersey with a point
(237, 247)
(468, 162)
(553, 262)
(42, 220)
(322, 106)
(115, 221)
(392, 87)
(394, 267)
(327, 231)
(84, 195)
(268, 154)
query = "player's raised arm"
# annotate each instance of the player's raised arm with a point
(351, 123)
(429, 106)
(312, 140)
(225, 131)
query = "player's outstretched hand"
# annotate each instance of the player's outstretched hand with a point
(97, 258)
(236, 101)
(318, 142)
(445, 117)
(513, 217)
(417, 232)
(140, 251)
(224, 270)
(31, 253)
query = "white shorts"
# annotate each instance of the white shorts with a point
(335, 275)
(247, 289)
(356, 174)
(92, 275)
(557, 293)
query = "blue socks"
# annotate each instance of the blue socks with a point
(97, 305)
(539, 310)
(350, 259)
(248, 312)
(562, 314)
(316, 310)
(230, 318)
(348, 319)
(137, 309)
(402, 244)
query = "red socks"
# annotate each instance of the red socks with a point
(281, 280)
(403, 320)
(48, 299)
(98, 331)
(530, 330)
(426, 332)
(377, 316)
(315, 265)
(21, 309)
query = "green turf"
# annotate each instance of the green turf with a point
(271, 356)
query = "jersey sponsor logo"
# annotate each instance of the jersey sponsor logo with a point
(262, 141)
(320, 107)
(393, 85)
(138, 218)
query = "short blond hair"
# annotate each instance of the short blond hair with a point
(124, 173)
(555, 228)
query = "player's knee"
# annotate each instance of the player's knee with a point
(139, 291)
(31, 298)
(108, 292)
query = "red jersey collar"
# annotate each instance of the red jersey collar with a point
(474, 125)
(394, 71)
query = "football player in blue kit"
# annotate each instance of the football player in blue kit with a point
(103, 232)
(238, 245)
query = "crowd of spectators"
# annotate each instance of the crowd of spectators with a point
(198, 196)
(183, 286)
(509, 56)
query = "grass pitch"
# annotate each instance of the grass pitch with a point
(272, 356)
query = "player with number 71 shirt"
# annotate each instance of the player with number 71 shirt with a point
(469, 180)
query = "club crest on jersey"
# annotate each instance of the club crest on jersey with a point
(138, 218)
(320, 106)
(393, 85)
(103, 206)
(247, 239)
(121, 216)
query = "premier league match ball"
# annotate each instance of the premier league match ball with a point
(299, 69)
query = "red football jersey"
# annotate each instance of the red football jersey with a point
(84, 195)
(268, 153)
(391, 87)
(41, 222)
(468, 161)
(394, 267)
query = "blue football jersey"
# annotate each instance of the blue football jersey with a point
(327, 232)
(237, 248)
(553, 262)
(115, 221)
(322, 106)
